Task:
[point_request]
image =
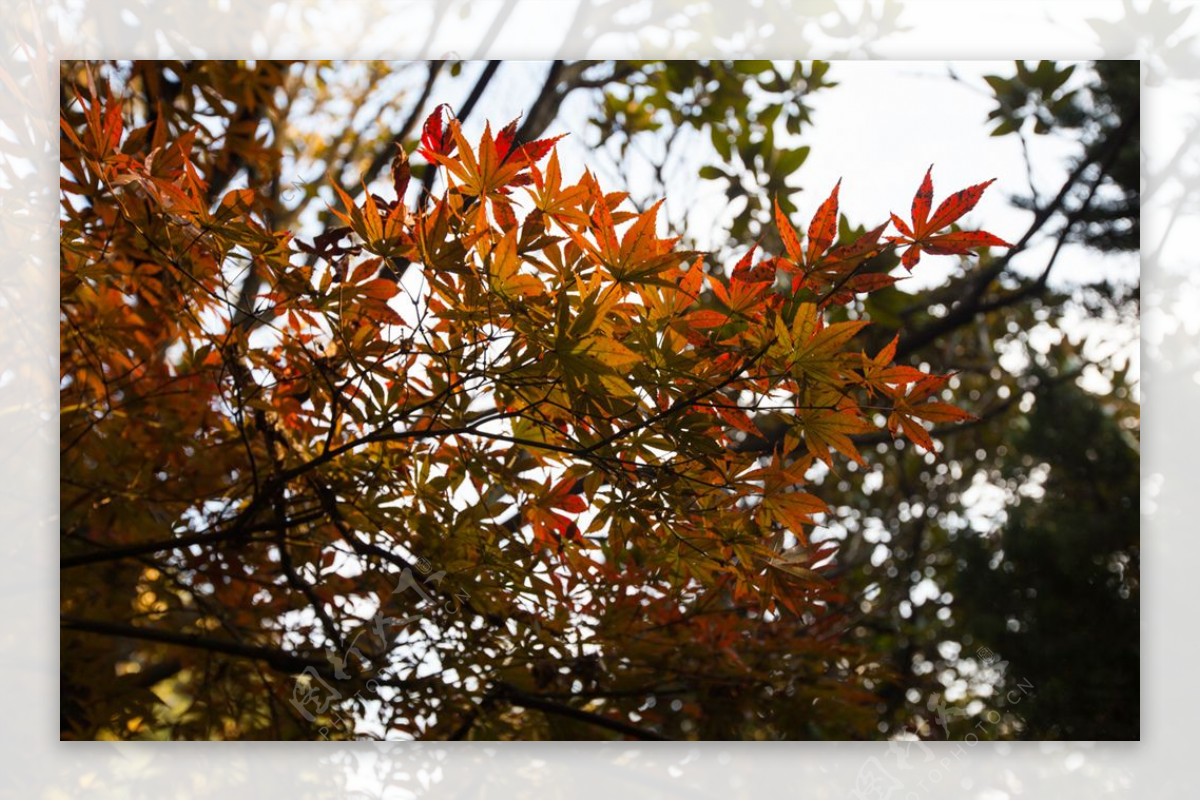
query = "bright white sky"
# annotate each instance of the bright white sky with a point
(877, 130)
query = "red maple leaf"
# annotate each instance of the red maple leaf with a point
(435, 134)
(922, 234)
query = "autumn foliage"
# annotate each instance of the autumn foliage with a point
(511, 395)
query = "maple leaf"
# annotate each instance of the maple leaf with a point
(821, 232)
(827, 420)
(880, 374)
(489, 171)
(505, 139)
(707, 318)
(795, 565)
(504, 270)
(559, 204)
(921, 235)
(435, 135)
(550, 526)
(783, 504)
(835, 268)
(815, 346)
(913, 405)
(823, 228)
(642, 254)
(401, 173)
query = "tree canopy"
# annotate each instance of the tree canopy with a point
(378, 418)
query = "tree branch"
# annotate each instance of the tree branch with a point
(283, 661)
(160, 546)
(519, 698)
